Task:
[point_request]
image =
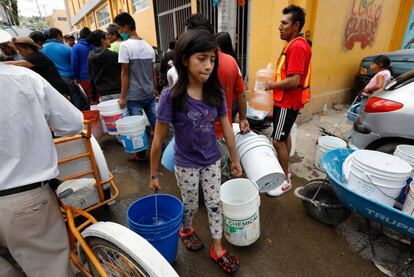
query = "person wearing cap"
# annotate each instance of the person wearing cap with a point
(115, 37)
(39, 63)
(32, 229)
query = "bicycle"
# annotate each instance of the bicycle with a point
(105, 248)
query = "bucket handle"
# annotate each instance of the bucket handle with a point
(377, 186)
(257, 187)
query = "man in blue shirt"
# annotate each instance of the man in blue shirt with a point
(61, 55)
(80, 53)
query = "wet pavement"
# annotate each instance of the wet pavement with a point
(291, 242)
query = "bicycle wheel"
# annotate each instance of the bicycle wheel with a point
(114, 261)
(121, 252)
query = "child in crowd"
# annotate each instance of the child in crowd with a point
(381, 66)
(192, 106)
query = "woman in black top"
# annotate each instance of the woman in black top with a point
(39, 63)
(103, 67)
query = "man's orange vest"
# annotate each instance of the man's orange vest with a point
(281, 75)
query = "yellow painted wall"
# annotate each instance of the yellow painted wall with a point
(265, 44)
(334, 66)
(145, 23)
(52, 21)
(193, 6)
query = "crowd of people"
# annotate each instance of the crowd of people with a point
(203, 90)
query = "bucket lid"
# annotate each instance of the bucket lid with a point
(131, 120)
(331, 142)
(381, 162)
(108, 105)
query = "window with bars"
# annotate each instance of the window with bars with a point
(91, 19)
(139, 5)
(103, 15)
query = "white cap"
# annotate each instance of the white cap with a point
(4, 36)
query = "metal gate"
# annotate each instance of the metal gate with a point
(171, 16)
(206, 8)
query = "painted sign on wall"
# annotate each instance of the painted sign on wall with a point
(408, 42)
(362, 24)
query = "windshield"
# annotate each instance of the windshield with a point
(401, 81)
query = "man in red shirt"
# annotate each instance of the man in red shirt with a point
(231, 80)
(290, 88)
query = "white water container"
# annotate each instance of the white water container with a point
(131, 131)
(406, 153)
(326, 143)
(378, 176)
(241, 201)
(259, 161)
(111, 112)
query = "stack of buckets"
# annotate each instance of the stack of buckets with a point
(267, 173)
(110, 112)
(132, 134)
(157, 218)
(378, 176)
(406, 153)
(326, 143)
(240, 201)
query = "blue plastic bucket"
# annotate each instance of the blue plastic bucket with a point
(163, 235)
(167, 159)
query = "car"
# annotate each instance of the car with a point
(388, 117)
(402, 61)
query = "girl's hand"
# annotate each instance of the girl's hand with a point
(154, 183)
(236, 169)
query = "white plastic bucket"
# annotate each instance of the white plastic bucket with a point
(293, 136)
(241, 201)
(111, 112)
(326, 143)
(131, 131)
(259, 161)
(406, 153)
(378, 176)
(408, 207)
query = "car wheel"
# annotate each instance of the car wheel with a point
(389, 148)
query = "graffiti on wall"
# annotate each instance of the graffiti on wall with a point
(362, 24)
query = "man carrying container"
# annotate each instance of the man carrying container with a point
(291, 87)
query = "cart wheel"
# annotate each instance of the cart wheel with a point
(122, 252)
(326, 207)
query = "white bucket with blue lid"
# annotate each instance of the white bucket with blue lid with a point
(132, 134)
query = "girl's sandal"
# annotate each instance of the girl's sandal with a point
(190, 240)
(227, 261)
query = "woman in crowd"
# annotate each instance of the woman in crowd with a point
(103, 67)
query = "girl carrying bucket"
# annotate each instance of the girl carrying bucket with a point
(192, 106)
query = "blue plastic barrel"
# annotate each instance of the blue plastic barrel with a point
(167, 159)
(161, 230)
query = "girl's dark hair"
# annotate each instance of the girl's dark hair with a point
(383, 61)
(223, 40)
(95, 38)
(189, 43)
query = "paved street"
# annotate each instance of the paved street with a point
(291, 243)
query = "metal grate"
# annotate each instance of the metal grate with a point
(171, 19)
(206, 8)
